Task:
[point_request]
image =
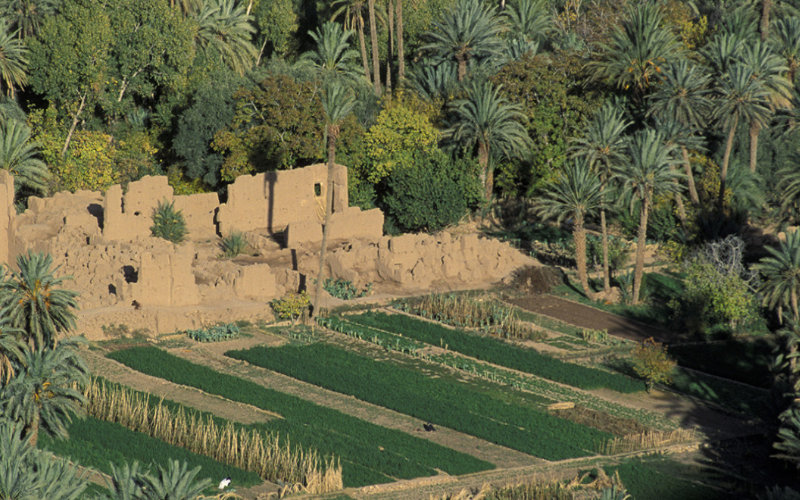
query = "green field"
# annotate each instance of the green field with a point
(658, 478)
(369, 453)
(499, 352)
(447, 402)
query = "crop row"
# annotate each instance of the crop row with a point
(369, 453)
(499, 352)
(450, 403)
(378, 337)
(98, 444)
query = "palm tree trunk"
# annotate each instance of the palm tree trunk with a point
(483, 161)
(680, 208)
(363, 46)
(373, 37)
(641, 241)
(401, 57)
(764, 25)
(33, 428)
(755, 128)
(390, 13)
(462, 67)
(579, 236)
(723, 173)
(690, 177)
(74, 124)
(606, 268)
(328, 209)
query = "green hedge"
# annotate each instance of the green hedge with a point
(446, 402)
(369, 453)
(97, 444)
(499, 352)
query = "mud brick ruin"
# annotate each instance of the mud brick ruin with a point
(126, 276)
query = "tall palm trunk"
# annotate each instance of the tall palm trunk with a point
(33, 428)
(690, 177)
(332, 133)
(401, 61)
(486, 175)
(579, 236)
(390, 13)
(764, 25)
(363, 46)
(755, 128)
(606, 267)
(723, 173)
(373, 37)
(461, 59)
(641, 241)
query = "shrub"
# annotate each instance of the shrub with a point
(291, 306)
(168, 223)
(233, 244)
(344, 289)
(430, 191)
(652, 363)
(214, 333)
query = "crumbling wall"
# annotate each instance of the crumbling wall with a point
(273, 200)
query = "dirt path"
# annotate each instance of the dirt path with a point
(589, 317)
(212, 356)
(189, 396)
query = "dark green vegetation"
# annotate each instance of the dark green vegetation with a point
(740, 359)
(659, 477)
(450, 403)
(214, 333)
(499, 352)
(743, 398)
(370, 454)
(98, 444)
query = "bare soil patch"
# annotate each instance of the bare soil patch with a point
(602, 421)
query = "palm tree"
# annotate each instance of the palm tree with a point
(187, 6)
(781, 272)
(225, 28)
(32, 301)
(46, 392)
(638, 51)
(373, 36)
(576, 194)
(675, 133)
(353, 13)
(741, 97)
(13, 60)
(484, 118)
(337, 103)
(722, 52)
(648, 173)
(682, 96)
(469, 31)
(332, 56)
(175, 481)
(788, 186)
(786, 42)
(529, 19)
(18, 155)
(27, 15)
(768, 68)
(11, 351)
(434, 81)
(401, 55)
(602, 146)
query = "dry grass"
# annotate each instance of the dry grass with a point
(483, 313)
(244, 448)
(648, 440)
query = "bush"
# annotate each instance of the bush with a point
(168, 223)
(233, 244)
(344, 289)
(430, 191)
(214, 333)
(291, 306)
(652, 363)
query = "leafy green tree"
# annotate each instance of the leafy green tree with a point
(637, 52)
(332, 56)
(683, 97)
(152, 48)
(577, 194)
(468, 32)
(648, 173)
(26, 472)
(652, 362)
(80, 39)
(781, 272)
(428, 191)
(603, 147)
(225, 31)
(714, 296)
(46, 392)
(337, 103)
(33, 301)
(740, 97)
(277, 22)
(19, 155)
(485, 120)
(14, 60)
